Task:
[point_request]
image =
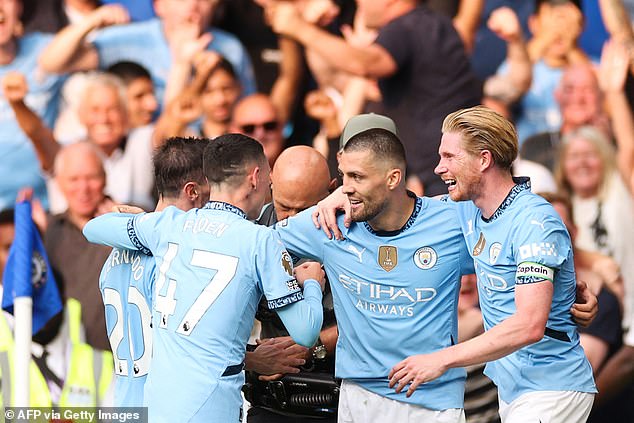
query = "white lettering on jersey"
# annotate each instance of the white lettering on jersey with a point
(538, 249)
(204, 225)
(369, 290)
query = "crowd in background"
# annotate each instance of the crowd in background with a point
(91, 88)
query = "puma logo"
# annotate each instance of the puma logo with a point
(540, 224)
(358, 253)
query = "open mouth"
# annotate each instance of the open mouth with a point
(355, 203)
(450, 182)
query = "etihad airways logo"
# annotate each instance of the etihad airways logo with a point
(378, 291)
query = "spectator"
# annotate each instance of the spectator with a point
(103, 113)
(257, 117)
(205, 107)
(81, 178)
(60, 358)
(556, 25)
(157, 44)
(420, 63)
(277, 61)
(579, 99)
(140, 99)
(602, 205)
(19, 54)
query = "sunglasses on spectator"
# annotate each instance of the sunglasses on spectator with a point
(251, 127)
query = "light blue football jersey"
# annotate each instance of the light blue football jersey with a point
(213, 266)
(126, 283)
(525, 242)
(395, 295)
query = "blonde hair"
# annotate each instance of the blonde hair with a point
(484, 129)
(604, 149)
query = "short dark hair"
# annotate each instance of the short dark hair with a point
(178, 161)
(226, 66)
(227, 157)
(7, 216)
(538, 3)
(383, 144)
(128, 71)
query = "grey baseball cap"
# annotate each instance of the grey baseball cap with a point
(360, 123)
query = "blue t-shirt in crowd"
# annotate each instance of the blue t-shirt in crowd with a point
(20, 166)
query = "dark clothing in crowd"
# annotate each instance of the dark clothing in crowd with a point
(433, 79)
(79, 264)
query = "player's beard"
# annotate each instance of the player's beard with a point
(368, 211)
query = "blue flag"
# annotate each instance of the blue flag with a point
(28, 272)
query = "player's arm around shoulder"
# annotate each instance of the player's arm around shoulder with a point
(301, 237)
(109, 229)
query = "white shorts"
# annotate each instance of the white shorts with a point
(548, 407)
(358, 405)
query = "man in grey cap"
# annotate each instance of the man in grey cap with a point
(395, 279)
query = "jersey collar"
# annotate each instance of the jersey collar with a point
(522, 183)
(417, 206)
(221, 205)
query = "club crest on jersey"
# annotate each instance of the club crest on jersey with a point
(287, 263)
(39, 270)
(388, 257)
(494, 252)
(479, 247)
(425, 258)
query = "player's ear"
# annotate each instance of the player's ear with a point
(253, 176)
(191, 190)
(486, 159)
(394, 178)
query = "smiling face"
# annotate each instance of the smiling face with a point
(457, 168)
(365, 184)
(579, 96)
(582, 167)
(104, 115)
(81, 179)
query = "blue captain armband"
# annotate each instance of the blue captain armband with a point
(531, 272)
(135, 239)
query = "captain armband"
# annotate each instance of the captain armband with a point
(530, 272)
